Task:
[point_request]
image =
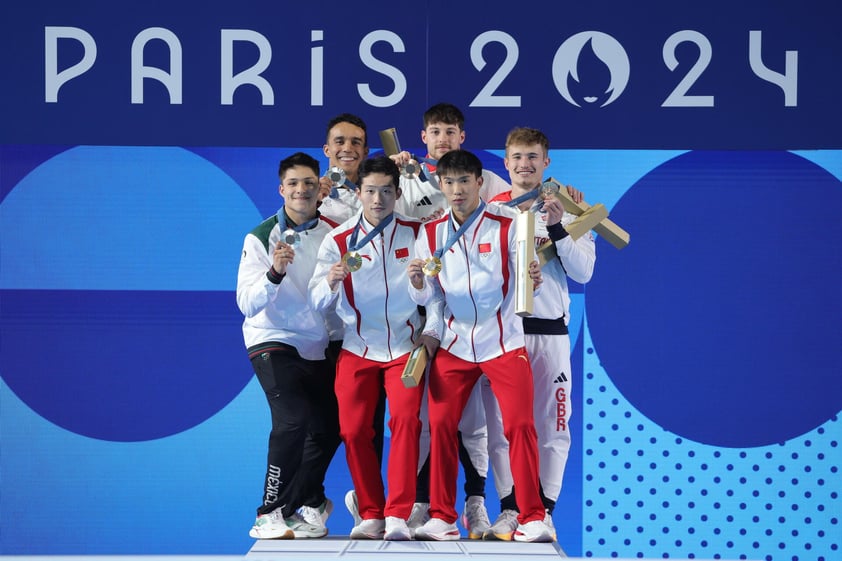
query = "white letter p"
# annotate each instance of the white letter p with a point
(53, 79)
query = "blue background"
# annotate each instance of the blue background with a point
(706, 354)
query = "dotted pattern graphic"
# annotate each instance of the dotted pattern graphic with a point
(649, 493)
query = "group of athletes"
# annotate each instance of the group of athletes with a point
(379, 256)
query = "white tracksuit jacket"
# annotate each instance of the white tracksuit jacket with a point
(477, 283)
(575, 260)
(281, 312)
(421, 199)
(381, 320)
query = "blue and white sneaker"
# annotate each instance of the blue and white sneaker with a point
(303, 529)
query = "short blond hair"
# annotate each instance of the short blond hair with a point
(525, 136)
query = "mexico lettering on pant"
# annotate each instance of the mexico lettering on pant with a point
(273, 483)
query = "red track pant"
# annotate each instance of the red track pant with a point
(451, 380)
(358, 383)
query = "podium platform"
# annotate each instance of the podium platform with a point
(333, 548)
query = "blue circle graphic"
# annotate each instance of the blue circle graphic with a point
(117, 276)
(720, 320)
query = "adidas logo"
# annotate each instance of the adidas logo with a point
(561, 378)
(425, 201)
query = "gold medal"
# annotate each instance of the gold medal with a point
(291, 237)
(353, 261)
(432, 266)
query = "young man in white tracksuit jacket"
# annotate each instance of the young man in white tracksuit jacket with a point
(421, 198)
(286, 340)
(467, 269)
(362, 271)
(547, 340)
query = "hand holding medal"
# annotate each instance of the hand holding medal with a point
(353, 261)
(291, 235)
(432, 266)
(352, 258)
(282, 256)
(291, 238)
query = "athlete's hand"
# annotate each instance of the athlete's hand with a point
(535, 274)
(282, 256)
(431, 343)
(554, 209)
(401, 158)
(575, 194)
(336, 274)
(415, 270)
(324, 187)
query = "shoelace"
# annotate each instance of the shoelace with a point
(274, 516)
(311, 515)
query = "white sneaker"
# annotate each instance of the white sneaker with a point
(548, 520)
(303, 529)
(396, 529)
(535, 531)
(475, 517)
(317, 515)
(503, 528)
(437, 529)
(271, 526)
(353, 507)
(418, 517)
(370, 529)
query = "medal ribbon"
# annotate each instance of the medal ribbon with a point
(282, 220)
(454, 236)
(431, 178)
(529, 195)
(334, 190)
(354, 246)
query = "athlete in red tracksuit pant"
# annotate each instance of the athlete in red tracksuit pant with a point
(466, 269)
(361, 270)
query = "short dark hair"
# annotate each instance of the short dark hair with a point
(347, 118)
(459, 160)
(380, 164)
(298, 159)
(446, 113)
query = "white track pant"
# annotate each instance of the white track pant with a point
(550, 358)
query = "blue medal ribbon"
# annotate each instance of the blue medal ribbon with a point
(282, 221)
(423, 176)
(354, 246)
(454, 235)
(529, 195)
(334, 190)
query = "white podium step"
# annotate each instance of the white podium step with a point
(333, 548)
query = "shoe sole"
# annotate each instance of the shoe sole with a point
(362, 536)
(397, 537)
(472, 534)
(448, 537)
(286, 535)
(475, 536)
(537, 539)
(491, 536)
(307, 535)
